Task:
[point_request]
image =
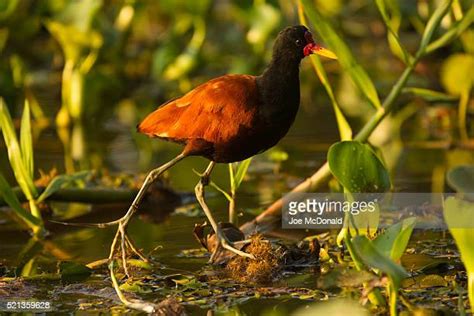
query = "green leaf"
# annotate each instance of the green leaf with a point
(394, 240)
(14, 153)
(454, 31)
(393, 25)
(185, 62)
(79, 13)
(344, 55)
(277, 155)
(357, 167)
(61, 182)
(459, 215)
(345, 130)
(456, 73)
(10, 197)
(241, 172)
(73, 41)
(430, 95)
(370, 255)
(26, 142)
(73, 271)
(461, 179)
(136, 287)
(433, 24)
(221, 190)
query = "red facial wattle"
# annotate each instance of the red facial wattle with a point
(310, 47)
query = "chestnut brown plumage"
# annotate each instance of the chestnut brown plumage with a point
(233, 117)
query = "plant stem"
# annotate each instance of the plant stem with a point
(232, 213)
(470, 288)
(393, 293)
(35, 211)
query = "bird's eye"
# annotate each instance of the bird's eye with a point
(298, 42)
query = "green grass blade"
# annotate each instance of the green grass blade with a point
(453, 32)
(393, 26)
(61, 182)
(221, 190)
(432, 25)
(344, 55)
(14, 153)
(26, 142)
(11, 199)
(430, 95)
(345, 130)
(241, 172)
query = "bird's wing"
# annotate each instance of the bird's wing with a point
(213, 111)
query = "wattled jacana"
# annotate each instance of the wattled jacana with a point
(232, 118)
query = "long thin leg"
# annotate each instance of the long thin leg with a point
(220, 237)
(150, 178)
(123, 221)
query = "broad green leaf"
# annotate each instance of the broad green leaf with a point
(357, 167)
(430, 95)
(461, 179)
(453, 32)
(61, 182)
(394, 240)
(11, 199)
(459, 215)
(365, 223)
(25, 140)
(370, 255)
(456, 73)
(14, 153)
(241, 172)
(345, 57)
(433, 24)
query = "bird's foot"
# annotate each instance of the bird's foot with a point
(123, 244)
(223, 243)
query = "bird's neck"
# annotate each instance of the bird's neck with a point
(279, 87)
(280, 71)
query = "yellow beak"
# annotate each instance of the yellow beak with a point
(321, 51)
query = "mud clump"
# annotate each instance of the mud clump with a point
(262, 269)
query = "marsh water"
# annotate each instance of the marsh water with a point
(418, 159)
(170, 235)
